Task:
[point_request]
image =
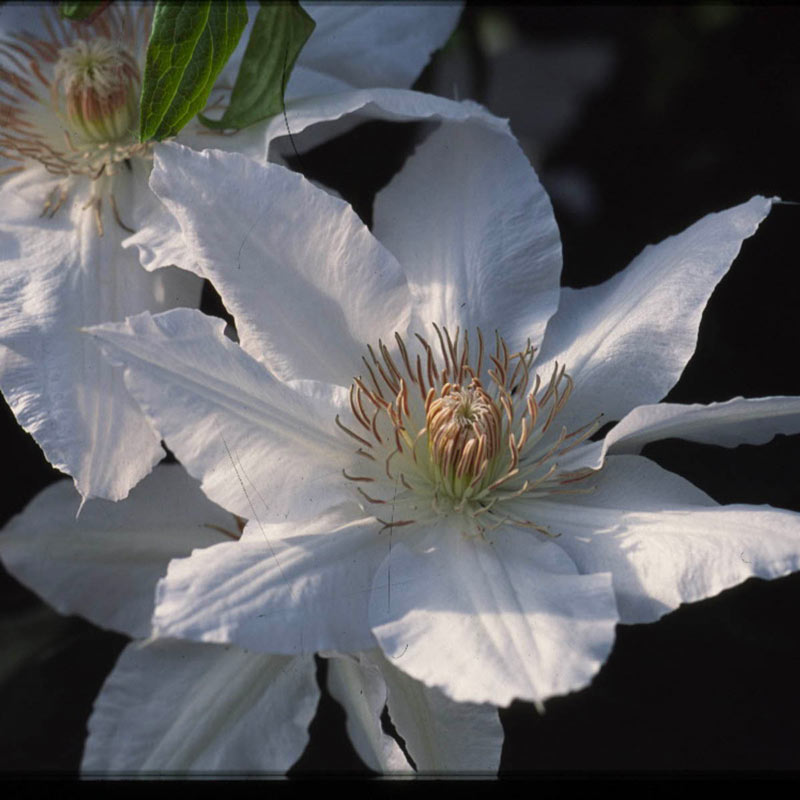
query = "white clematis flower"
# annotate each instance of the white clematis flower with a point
(76, 187)
(406, 422)
(186, 707)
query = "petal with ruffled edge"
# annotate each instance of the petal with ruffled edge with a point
(488, 621)
(310, 122)
(304, 278)
(261, 448)
(475, 233)
(57, 275)
(442, 737)
(179, 707)
(283, 588)
(313, 120)
(663, 540)
(114, 551)
(626, 341)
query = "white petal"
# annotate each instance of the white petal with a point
(491, 621)
(664, 541)
(56, 276)
(184, 707)
(474, 230)
(308, 284)
(441, 736)
(284, 588)
(626, 341)
(383, 44)
(158, 240)
(313, 120)
(260, 448)
(361, 690)
(104, 564)
(734, 422)
(742, 420)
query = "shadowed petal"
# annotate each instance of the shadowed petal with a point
(442, 737)
(114, 551)
(178, 707)
(382, 44)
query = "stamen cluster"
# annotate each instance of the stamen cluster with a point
(449, 435)
(100, 81)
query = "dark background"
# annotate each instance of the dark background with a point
(640, 121)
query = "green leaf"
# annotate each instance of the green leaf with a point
(80, 9)
(279, 32)
(189, 44)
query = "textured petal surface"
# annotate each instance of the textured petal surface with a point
(361, 690)
(491, 621)
(626, 341)
(260, 448)
(376, 44)
(284, 588)
(474, 230)
(56, 276)
(308, 284)
(441, 736)
(178, 707)
(664, 541)
(113, 551)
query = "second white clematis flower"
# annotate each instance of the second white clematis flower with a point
(406, 422)
(75, 186)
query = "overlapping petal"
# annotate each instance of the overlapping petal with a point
(488, 621)
(664, 541)
(626, 341)
(440, 736)
(178, 707)
(287, 260)
(361, 690)
(260, 447)
(113, 551)
(475, 233)
(284, 588)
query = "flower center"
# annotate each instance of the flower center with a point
(450, 435)
(100, 81)
(71, 104)
(463, 427)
